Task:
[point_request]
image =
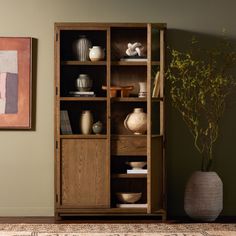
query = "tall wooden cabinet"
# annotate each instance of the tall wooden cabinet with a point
(91, 169)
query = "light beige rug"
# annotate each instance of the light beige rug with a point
(147, 229)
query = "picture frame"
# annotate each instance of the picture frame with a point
(15, 82)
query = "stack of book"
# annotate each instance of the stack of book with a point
(133, 58)
(82, 94)
(65, 122)
(132, 205)
(137, 171)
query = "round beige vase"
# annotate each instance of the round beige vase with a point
(86, 122)
(96, 53)
(136, 122)
(203, 198)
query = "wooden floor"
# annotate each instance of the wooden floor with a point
(102, 220)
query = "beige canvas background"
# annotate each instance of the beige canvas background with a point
(26, 157)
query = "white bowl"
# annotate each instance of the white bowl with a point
(137, 164)
(128, 197)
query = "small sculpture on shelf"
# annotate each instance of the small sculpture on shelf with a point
(134, 52)
(134, 49)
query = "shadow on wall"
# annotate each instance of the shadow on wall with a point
(181, 155)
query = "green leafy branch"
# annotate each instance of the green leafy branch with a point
(200, 81)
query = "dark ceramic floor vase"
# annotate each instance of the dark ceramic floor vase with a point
(204, 196)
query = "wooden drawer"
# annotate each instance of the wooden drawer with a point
(129, 146)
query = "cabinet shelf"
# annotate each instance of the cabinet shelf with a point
(129, 176)
(86, 63)
(83, 136)
(128, 99)
(83, 98)
(134, 63)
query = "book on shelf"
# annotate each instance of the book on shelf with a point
(137, 171)
(156, 85)
(132, 205)
(133, 58)
(82, 94)
(65, 122)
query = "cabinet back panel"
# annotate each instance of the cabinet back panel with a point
(126, 76)
(120, 37)
(69, 37)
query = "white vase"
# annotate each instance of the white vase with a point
(142, 89)
(136, 122)
(86, 122)
(84, 83)
(81, 48)
(203, 199)
(96, 53)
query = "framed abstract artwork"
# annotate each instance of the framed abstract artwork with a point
(15, 82)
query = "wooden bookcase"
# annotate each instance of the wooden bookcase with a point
(91, 169)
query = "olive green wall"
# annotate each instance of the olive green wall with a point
(26, 157)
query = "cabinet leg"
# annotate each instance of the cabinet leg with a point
(164, 217)
(57, 217)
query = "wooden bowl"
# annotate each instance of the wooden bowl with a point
(137, 164)
(128, 197)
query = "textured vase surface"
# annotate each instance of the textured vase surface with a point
(203, 198)
(86, 122)
(81, 48)
(136, 122)
(84, 83)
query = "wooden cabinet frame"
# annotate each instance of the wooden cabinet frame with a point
(115, 143)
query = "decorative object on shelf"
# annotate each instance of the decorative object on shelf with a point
(142, 90)
(81, 48)
(156, 85)
(210, 186)
(136, 122)
(65, 122)
(84, 83)
(124, 90)
(129, 197)
(15, 82)
(136, 165)
(86, 122)
(207, 74)
(134, 49)
(97, 127)
(134, 52)
(96, 53)
(82, 94)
